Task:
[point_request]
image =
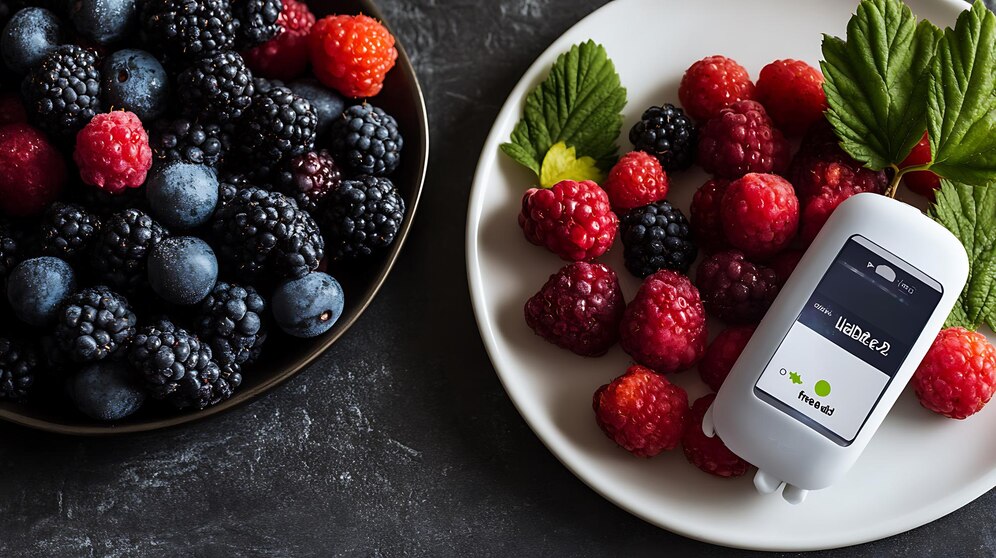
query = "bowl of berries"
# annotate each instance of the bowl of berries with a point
(197, 198)
(654, 180)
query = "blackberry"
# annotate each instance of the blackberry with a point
(62, 93)
(121, 250)
(218, 88)
(94, 323)
(188, 29)
(231, 323)
(68, 230)
(362, 217)
(310, 178)
(668, 134)
(176, 367)
(656, 237)
(257, 21)
(277, 127)
(228, 186)
(734, 289)
(366, 140)
(18, 365)
(182, 139)
(259, 231)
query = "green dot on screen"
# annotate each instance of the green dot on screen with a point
(822, 388)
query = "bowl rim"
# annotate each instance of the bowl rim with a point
(304, 361)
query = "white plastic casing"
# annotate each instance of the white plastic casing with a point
(784, 448)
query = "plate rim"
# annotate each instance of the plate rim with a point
(306, 360)
(485, 167)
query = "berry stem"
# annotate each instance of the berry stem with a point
(899, 172)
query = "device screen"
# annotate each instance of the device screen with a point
(850, 339)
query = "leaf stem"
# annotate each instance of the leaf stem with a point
(899, 172)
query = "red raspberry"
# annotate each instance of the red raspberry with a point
(822, 165)
(579, 309)
(742, 139)
(572, 219)
(709, 454)
(12, 109)
(785, 263)
(712, 84)
(112, 152)
(734, 289)
(924, 183)
(284, 57)
(642, 412)
(792, 93)
(32, 172)
(636, 180)
(664, 326)
(720, 355)
(352, 54)
(958, 376)
(706, 220)
(760, 214)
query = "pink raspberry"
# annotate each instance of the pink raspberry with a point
(664, 326)
(741, 140)
(636, 180)
(642, 412)
(958, 375)
(712, 84)
(706, 220)
(760, 214)
(924, 183)
(32, 171)
(571, 219)
(579, 309)
(821, 165)
(734, 289)
(792, 93)
(285, 56)
(709, 454)
(722, 353)
(112, 152)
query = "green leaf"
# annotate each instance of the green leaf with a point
(579, 103)
(561, 163)
(969, 212)
(875, 81)
(962, 106)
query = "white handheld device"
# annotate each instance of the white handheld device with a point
(839, 344)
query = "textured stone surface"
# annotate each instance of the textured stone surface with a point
(400, 440)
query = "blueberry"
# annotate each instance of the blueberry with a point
(28, 37)
(308, 306)
(183, 269)
(103, 21)
(134, 80)
(106, 391)
(325, 101)
(38, 287)
(182, 195)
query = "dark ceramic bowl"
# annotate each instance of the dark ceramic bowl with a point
(283, 356)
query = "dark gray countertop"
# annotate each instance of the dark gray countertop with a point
(400, 440)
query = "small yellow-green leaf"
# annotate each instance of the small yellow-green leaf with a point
(562, 163)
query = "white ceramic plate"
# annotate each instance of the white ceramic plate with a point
(918, 468)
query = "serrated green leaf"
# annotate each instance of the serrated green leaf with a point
(958, 318)
(562, 163)
(969, 212)
(579, 103)
(874, 82)
(962, 106)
